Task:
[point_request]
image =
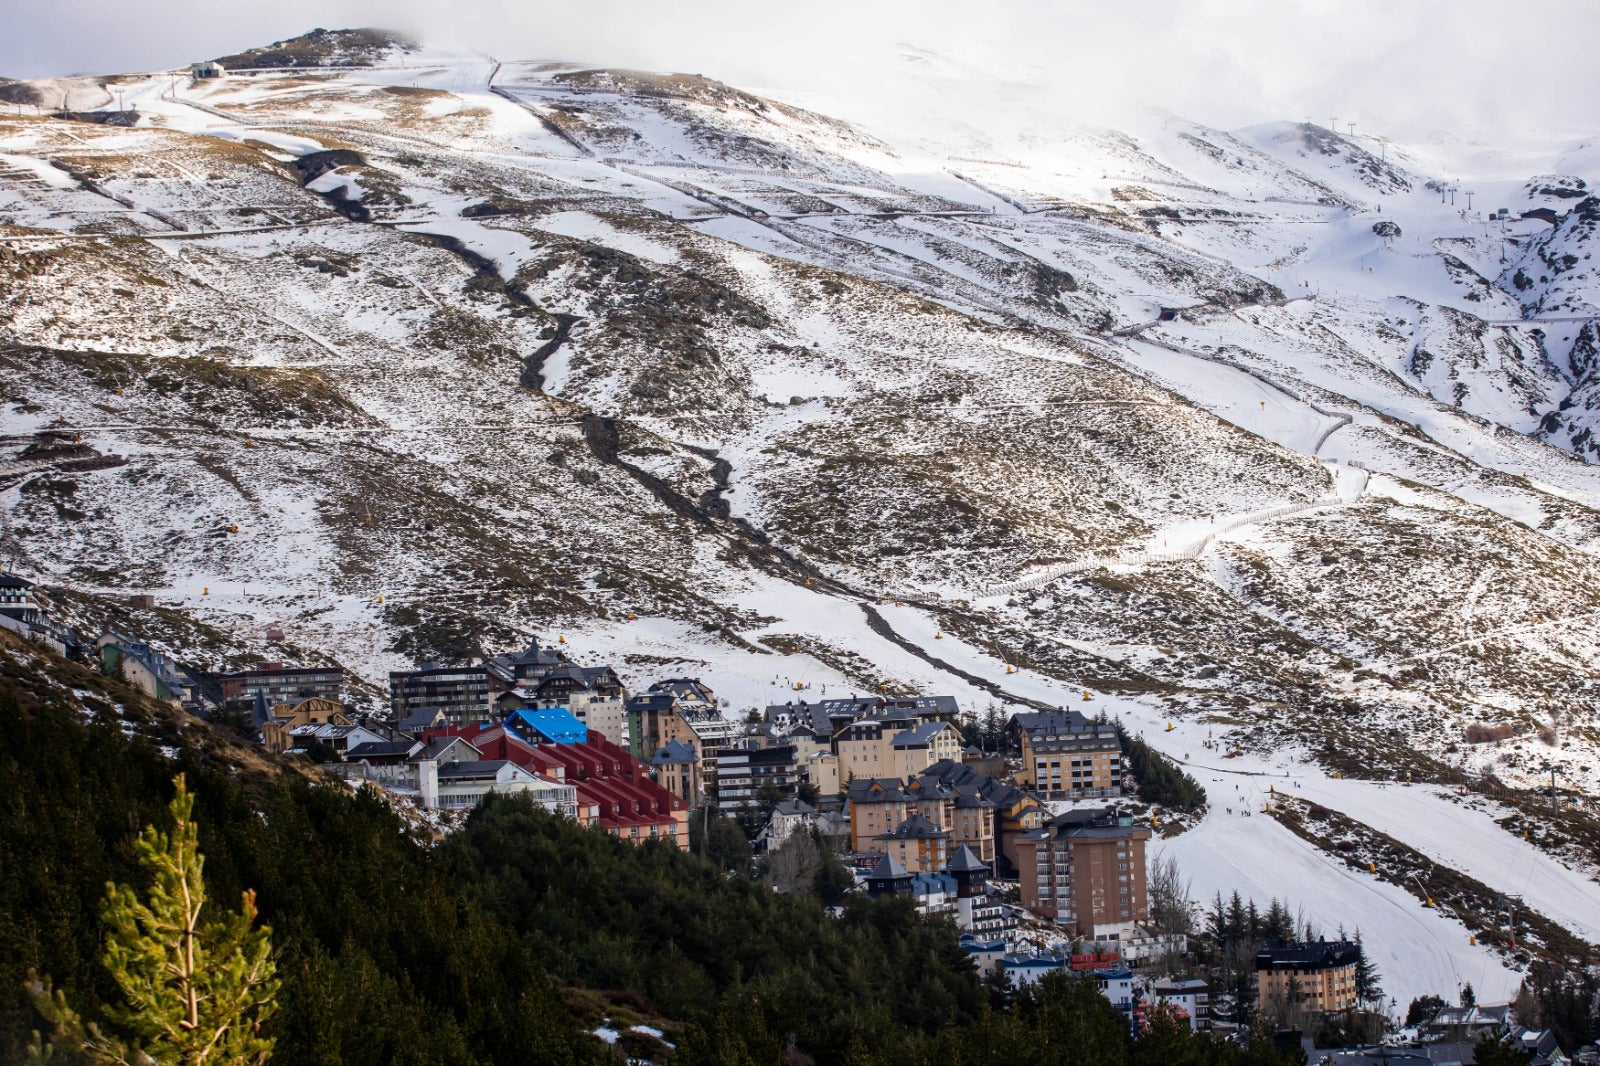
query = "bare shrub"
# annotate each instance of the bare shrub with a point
(1484, 733)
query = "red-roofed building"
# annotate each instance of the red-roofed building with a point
(615, 791)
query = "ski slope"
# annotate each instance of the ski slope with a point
(1419, 951)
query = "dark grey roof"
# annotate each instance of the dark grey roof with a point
(811, 715)
(674, 751)
(969, 797)
(438, 745)
(888, 868)
(1314, 955)
(684, 688)
(1095, 823)
(479, 768)
(861, 790)
(794, 807)
(1051, 723)
(421, 718)
(965, 861)
(915, 827)
(374, 749)
(1475, 1015)
(921, 734)
(967, 781)
(534, 654)
(260, 712)
(12, 581)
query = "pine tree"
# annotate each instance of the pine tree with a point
(1237, 922)
(1368, 987)
(994, 730)
(194, 992)
(1278, 922)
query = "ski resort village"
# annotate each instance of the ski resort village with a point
(768, 583)
(1040, 834)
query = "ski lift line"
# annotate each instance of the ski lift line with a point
(1540, 320)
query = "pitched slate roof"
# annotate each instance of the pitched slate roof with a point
(674, 751)
(1315, 955)
(972, 788)
(260, 712)
(439, 745)
(919, 735)
(373, 749)
(419, 719)
(888, 868)
(480, 768)
(915, 827)
(1050, 723)
(1102, 823)
(535, 654)
(684, 688)
(811, 716)
(160, 664)
(876, 790)
(964, 861)
(794, 808)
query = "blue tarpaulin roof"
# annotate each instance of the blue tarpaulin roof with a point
(552, 724)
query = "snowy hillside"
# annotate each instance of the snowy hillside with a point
(1264, 433)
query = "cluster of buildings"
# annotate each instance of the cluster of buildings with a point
(884, 781)
(1302, 980)
(529, 723)
(1450, 1037)
(21, 614)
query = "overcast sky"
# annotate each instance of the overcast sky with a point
(1408, 67)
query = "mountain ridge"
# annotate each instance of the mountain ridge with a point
(535, 347)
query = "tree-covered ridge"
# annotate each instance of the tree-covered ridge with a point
(382, 958)
(497, 944)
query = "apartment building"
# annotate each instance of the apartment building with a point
(1086, 870)
(1317, 976)
(460, 692)
(1066, 755)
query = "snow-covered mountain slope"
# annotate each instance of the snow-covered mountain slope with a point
(419, 352)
